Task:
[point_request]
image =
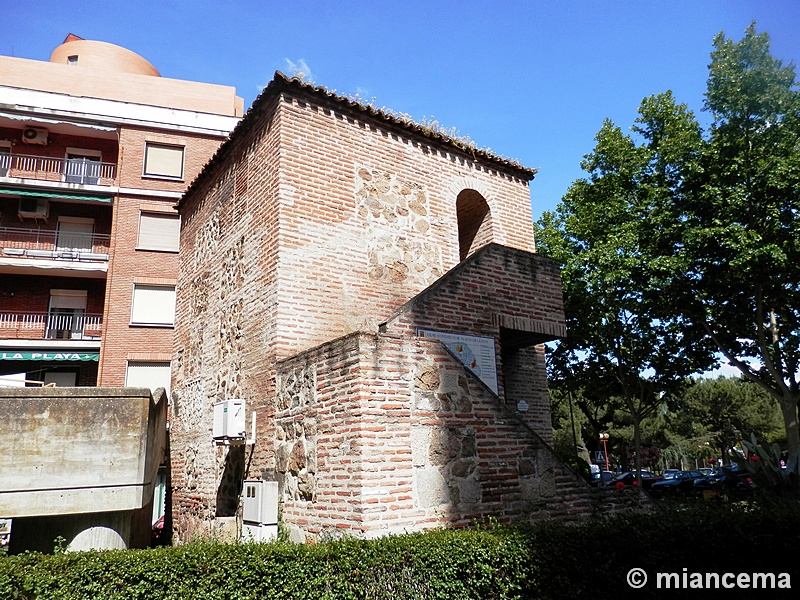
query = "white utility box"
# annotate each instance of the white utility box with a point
(259, 533)
(229, 420)
(260, 502)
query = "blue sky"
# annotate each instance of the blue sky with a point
(531, 81)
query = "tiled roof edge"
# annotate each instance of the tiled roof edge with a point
(281, 83)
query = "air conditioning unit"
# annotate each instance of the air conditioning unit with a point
(34, 135)
(33, 208)
(229, 420)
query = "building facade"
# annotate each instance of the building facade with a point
(95, 150)
(370, 289)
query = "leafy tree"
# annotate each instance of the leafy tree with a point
(622, 342)
(569, 424)
(726, 252)
(679, 244)
(727, 409)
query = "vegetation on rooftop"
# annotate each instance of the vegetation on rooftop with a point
(429, 125)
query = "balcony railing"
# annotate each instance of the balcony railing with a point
(81, 170)
(58, 324)
(59, 245)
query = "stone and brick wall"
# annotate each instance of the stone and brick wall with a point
(225, 326)
(368, 218)
(511, 296)
(381, 434)
(315, 243)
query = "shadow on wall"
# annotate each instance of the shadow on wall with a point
(230, 487)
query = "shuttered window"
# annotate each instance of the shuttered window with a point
(148, 374)
(163, 161)
(153, 305)
(159, 231)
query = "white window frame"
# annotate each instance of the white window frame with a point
(150, 172)
(149, 235)
(153, 305)
(149, 364)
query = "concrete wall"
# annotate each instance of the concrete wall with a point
(79, 450)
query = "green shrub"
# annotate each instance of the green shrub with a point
(549, 561)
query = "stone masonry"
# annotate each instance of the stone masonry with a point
(315, 244)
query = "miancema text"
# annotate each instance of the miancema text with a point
(688, 580)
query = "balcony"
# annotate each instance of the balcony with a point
(51, 244)
(58, 324)
(79, 170)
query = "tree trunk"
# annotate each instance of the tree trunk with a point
(789, 410)
(637, 446)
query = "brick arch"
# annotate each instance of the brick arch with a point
(474, 222)
(459, 184)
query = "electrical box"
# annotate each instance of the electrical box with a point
(229, 420)
(259, 533)
(260, 502)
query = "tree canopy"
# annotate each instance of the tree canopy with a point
(682, 243)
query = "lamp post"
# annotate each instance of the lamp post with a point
(604, 439)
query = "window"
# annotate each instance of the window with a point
(61, 378)
(153, 305)
(163, 161)
(67, 314)
(158, 231)
(82, 166)
(148, 374)
(72, 60)
(74, 234)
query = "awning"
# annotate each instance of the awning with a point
(56, 195)
(54, 356)
(38, 120)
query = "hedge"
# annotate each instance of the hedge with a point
(549, 561)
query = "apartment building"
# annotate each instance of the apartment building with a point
(96, 148)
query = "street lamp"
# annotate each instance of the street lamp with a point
(604, 439)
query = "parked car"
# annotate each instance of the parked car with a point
(730, 481)
(629, 478)
(602, 478)
(680, 482)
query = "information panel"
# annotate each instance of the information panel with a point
(475, 352)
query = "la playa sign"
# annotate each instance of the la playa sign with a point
(81, 356)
